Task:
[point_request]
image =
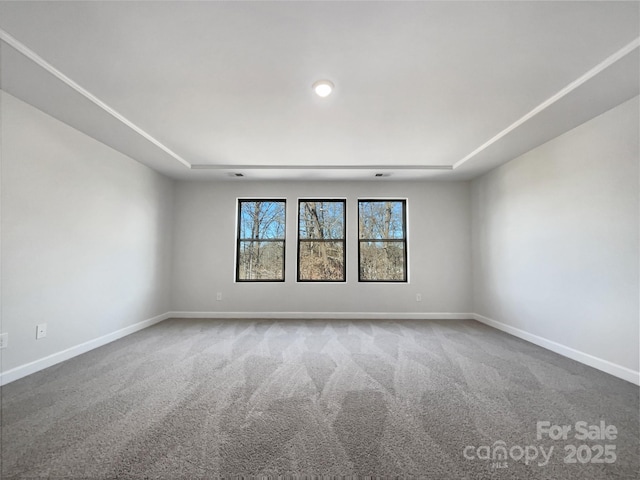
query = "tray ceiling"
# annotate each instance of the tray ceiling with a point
(443, 90)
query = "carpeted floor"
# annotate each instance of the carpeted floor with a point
(226, 398)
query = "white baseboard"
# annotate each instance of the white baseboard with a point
(328, 315)
(595, 362)
(46, 362)
(586, 358)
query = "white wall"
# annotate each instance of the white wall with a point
(438, 246)
(86, 240)
(556, 241)
(94, 243)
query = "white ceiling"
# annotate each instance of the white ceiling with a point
(442, 90)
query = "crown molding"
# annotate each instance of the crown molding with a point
(41, 62)
(320, 167)
(31, 55)
(624, 51)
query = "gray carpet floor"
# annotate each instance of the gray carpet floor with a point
(302, 398)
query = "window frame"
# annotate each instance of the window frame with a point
(343, 240)
(403, 240)
(239, 240)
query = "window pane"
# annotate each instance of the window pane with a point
(321, 219)
(261, 260)
(261, 233)
(381, 219)
(382, 261)
(321, 261)
(262, 219)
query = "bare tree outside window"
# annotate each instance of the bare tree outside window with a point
(261, 240)
(321, 241)
(382, 241)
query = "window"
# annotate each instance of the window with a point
(321, 243)
(261, 237)
(382, 246)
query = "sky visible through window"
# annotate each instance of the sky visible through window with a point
(381, 219)
(321, 243)
(262, 219)
(382, 246)
(261, 236)
(328, 216)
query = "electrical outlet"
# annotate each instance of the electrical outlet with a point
(418, 297)
(4, 340)
(219, 296)
(41, 330)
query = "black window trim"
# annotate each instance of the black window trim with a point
(239, 240)
(343, 239)
(402, 240)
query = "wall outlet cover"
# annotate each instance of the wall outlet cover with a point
(41, 330)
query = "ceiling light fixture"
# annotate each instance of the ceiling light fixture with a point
(323, 88)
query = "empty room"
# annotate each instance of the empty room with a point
(323, 239)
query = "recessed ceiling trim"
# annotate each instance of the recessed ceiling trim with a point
(321, 167)
(41, 62)
(551, 100)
